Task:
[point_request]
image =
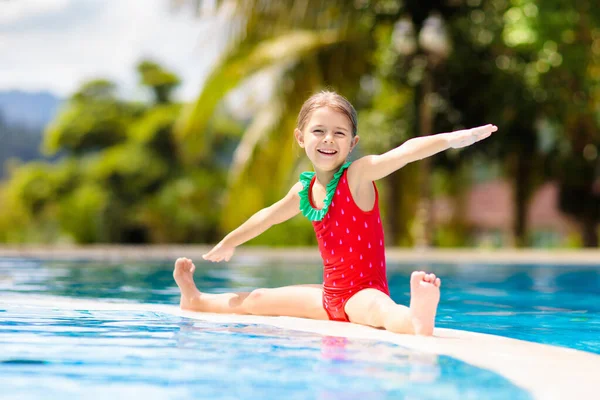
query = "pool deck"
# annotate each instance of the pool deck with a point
(306, 255)
(546, 372)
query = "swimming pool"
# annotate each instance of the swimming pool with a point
(71, 351)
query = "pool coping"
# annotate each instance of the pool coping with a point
(115, 253)
(546, 372)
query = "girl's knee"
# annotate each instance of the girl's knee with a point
(377, 311)
(253, 303)
(368, 307)
(397, 319)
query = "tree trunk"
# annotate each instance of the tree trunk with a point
(401, 201)
(393, 209)
(589, 232)
(523, 189)
(424, 215)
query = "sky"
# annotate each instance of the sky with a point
(56, 45)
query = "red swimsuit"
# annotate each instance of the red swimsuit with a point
(352, 247)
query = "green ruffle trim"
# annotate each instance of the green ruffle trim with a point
(307, 209)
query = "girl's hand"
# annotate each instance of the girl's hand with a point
(219, 253)
(467, 137)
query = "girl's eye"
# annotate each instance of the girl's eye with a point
(318, 130)
(340, 133)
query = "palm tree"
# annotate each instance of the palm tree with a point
(307, 46)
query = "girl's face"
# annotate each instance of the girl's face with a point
(327, 139)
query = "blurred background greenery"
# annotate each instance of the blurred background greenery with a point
(111, 169)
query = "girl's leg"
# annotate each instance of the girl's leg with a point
(374, 308)
(304, 301)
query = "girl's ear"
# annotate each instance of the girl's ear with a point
(355, 140)
(299, 137)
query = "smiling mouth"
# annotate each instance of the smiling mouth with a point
(327, 152)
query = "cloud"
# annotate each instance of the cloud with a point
(56, 45)
(29, 16)
(16, 10)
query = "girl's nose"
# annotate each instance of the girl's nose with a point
(328, 137)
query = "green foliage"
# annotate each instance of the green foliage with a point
(128, 170)
(165, 172)
(182, 211)
(93, 119)
(566, 70)
(120, 179)
(153, 131)
(160, 81)
(81, 211)
(34, 186)
(30, 198)
(96, 90)
(13, 218)
(503, 53)
(238, 65)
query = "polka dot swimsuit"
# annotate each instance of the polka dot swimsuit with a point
(351, 243)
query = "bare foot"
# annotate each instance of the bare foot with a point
(184, 277)
(424, 299)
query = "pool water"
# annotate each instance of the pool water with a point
(101, 354)
(556, 305)
(551, 304)
(51, 351)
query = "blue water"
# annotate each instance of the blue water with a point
(55, 352)
(101, 354)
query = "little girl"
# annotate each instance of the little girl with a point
(341, 200)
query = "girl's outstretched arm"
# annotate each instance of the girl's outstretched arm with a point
(374, 167)
(277, 213)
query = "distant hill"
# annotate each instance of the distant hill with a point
(23, 117)
(31, 110)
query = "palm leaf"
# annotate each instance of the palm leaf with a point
(265, 122)
(237, 66)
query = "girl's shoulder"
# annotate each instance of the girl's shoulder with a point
(354, 173)
(364, 192)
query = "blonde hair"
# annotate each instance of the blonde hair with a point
(327, 99)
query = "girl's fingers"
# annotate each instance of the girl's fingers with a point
(484, 132)
(483, 136)
(488, 127)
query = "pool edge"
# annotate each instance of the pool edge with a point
(303, 254)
